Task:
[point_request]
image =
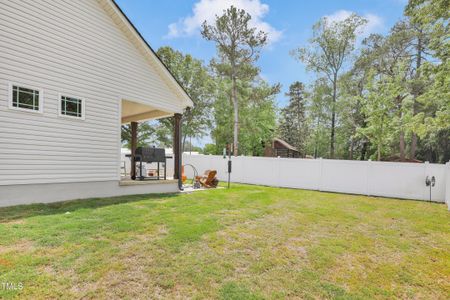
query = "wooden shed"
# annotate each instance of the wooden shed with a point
(281, 148)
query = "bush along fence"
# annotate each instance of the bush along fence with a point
(386, 179)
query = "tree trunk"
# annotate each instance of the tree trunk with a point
(236, 116)
(352, 145)
(333, 117)
(184, 144)
(416, 93)
(413, 150)
(379, 152)
(402, 145)
(316, 139)
(402, 132)
(364, 151)
(380, 140)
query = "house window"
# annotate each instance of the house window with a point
(71, 107)
(25, 98)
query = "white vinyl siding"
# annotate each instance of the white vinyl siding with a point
(69, 48)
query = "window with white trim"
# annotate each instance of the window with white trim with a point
(25, 98)
(71, 107)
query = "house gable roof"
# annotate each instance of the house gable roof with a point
(138, 40)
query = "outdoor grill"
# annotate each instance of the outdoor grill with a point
(151, 155)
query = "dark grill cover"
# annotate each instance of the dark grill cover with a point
(151, 154)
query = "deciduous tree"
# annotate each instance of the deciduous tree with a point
(329, 49)
(198, 83)
(145, 134)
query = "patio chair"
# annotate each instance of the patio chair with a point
(209, 179)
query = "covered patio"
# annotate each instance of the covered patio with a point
(133, 113)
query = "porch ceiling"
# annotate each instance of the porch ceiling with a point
(135, 112)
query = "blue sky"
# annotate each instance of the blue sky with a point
(176, 23)
(288, 23)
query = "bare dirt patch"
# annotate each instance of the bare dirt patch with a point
(20, 246)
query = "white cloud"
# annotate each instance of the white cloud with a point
(206, 10)
(374, 22)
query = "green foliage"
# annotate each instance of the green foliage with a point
(148, 133)
(320, 102)
(238, 44)
(293, 123)
(378, 106)
(351, 115)
(200, 86)
(257, 116)
(432, 16)
(331, 44)
(190, 147)
(145, 134)
(211, 149)
(388, 100)
(329, 49)
(393, 102)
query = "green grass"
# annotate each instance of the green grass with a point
(249, 242)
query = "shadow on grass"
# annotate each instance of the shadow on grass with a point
(11, 213)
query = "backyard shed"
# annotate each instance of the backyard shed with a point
(281, 148)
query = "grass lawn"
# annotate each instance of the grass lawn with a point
(249, 242)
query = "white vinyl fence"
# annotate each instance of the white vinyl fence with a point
(387, 179)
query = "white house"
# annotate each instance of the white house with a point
(71, 72)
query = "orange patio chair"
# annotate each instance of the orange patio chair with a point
(208, 180)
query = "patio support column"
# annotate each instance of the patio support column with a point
(134, 126)
(177, 152)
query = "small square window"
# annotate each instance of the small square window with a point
(25, 98)
(71, 107)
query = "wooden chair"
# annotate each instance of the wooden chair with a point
(208, 180)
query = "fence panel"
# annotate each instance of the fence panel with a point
(439, 190)
(260, 170)
(388, 179)
(299, 173)
(344, 176)
(403, 180)
(447, 184)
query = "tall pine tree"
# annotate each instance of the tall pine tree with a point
(293, 126)
(238, 45)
